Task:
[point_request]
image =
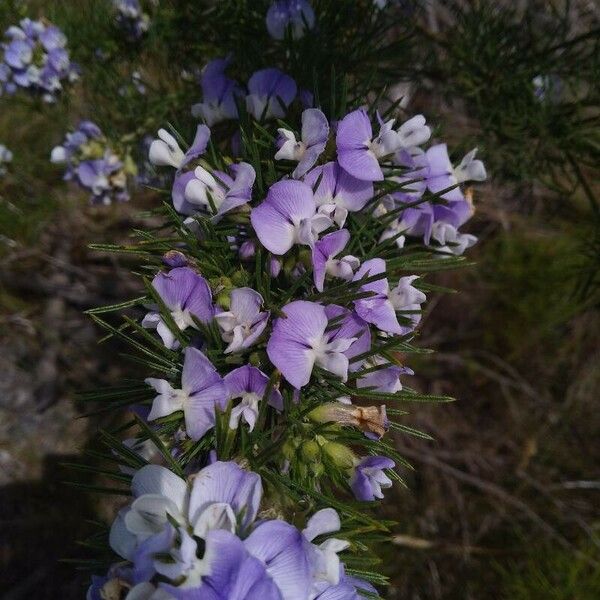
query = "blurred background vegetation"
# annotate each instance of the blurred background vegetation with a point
(504, 503)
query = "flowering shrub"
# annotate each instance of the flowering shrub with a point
(282, 301)
(89, 160)
(35, 57)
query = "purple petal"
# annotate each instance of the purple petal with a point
(200, 409)
(282, 548)
(361, 164)
(198, 372)
(273, 229)
(327, 247)
(339, 186)
(180, 204)
(309, 158)
(226, 482)
(354, 131)
(287, 202)
(198, 146)
(315, 127)
(289, 346)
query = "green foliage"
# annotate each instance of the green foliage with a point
(491, 56)
(551, 573)
(530, 279)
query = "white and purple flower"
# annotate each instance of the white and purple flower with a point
(288, 216)
(187, 297)
(300, 341)
(270, 92)
(202, 392)
(249, 384)
(369, 477)
(315, 132)
(219, 94)
(324, 261)
(243, 324)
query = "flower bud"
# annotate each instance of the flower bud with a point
(341, 455)
(174, 258)
(247, 250)
(311, 451)
(224, 300)
(274, 266)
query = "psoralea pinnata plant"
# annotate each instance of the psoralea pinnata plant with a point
(283, 293)
(35, 58)
(94, 165)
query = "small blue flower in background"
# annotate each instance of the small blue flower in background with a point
(6, 156)
(131, 18)
(35, 58)
(297, 15)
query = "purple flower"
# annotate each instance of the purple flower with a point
(6, 156)
(369, 477)
(52, 38)
(450, 240)
(186, 295)
(232, 574)
(350, 325)
(386, 379)
(358, 153)
(244, 322)
(270, 93)
(376, 309)
(436, 171)
(18, 54)
(165, 151)
(249, 384)
(406, 297)
(338, 192)
(202, 392)
(325, 263)
(315, 131)
(298, 15)
(218, 193)
(300, 340)
(326, 562)
(219, 94)
(288, 216)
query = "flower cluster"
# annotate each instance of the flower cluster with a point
(35, 57)
(6, 156)
(90, 160)
(131, 18)
(305, 222)
(200, 538)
